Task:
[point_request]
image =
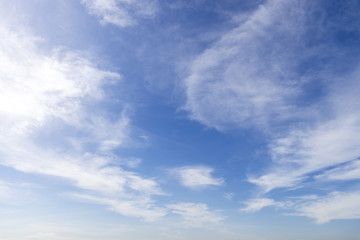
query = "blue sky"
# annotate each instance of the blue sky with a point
(131, 119)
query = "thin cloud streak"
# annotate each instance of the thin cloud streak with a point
(349, 171)
(256, 204)
(122, 13)
(131, 206)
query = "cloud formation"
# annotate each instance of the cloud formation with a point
(245, 78)
(197, 177)
(335, 206)
(349, 171)
(274, 74)
(303, 152)
(121, 13)
(256, 204)
(49, 124)
(128, 205)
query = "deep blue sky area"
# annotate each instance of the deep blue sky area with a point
(231, 120)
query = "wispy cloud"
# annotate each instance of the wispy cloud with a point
(245, 78)
(55, 85)
(129, 205)
(121, 13)
(50, 125)
(197, 176)
(90, 172)
(195, 214)
(303, 152)
(306, 155)
(349, 171)
(256, 204)
(335, 206)
(263, 74)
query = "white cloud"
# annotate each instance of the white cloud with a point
(257, 75)
(256, 204)
(327, 142)
(121, 13)
(49, 124)
(195, 214)
(277, 178)
(251, 77)
(246, 77)
(88, 171)
(131, 162)
(303, 152)
(118, 188)
(197, 176)
(36, 87)
(349, 171)
(332, 207)
(131, 206)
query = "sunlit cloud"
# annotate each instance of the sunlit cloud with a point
(52, 94)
